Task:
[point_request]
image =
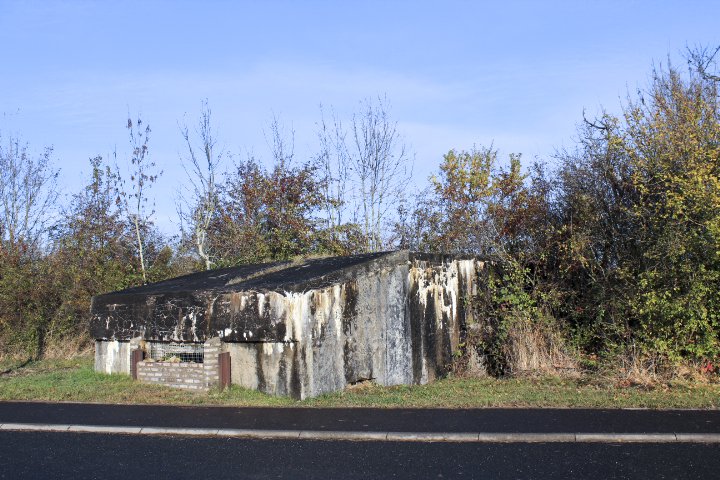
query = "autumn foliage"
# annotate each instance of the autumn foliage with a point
(609, 250)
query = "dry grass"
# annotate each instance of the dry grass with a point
(528, 348)
(68, 348)
(633, 368)
(65, 347)
(538, 349)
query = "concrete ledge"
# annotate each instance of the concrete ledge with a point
(178, 431)
(104, 429)
(431, 437)
(35, 426)
(527, 437)
(320, 435)
(232, 432)
(379, 436)
(626, 437)
(698, 437)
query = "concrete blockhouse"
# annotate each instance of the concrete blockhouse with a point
(295, 328)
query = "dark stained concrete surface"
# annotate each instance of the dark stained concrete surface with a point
(102, 456)
(368, 419)
(294, 277)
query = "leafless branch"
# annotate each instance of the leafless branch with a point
(28, 191)
(201, 169)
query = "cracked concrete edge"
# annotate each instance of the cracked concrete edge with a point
(379, 436)
(35, 426)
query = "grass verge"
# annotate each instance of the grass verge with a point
(75, 380)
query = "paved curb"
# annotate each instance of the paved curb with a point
(627, 437)
(527, 437)
(380, 436)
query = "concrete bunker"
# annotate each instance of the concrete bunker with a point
(295, 328)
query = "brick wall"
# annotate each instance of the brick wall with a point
(212, 348)
(190, 376)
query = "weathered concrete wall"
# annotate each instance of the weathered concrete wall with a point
(112, 356)
(340, 335)
(394, 319)
(396, 325)
(438, 292)
(270, 367)
(376, 343)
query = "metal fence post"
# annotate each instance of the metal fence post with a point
(224, 366)
(135, 357)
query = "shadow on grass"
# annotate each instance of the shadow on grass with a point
(18, 367)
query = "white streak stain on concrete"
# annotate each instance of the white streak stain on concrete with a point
(261, 303)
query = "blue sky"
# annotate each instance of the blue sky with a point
(456, 73)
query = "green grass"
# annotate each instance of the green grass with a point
(75, 380)
(526, 392)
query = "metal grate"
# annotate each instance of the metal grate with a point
(168, 351)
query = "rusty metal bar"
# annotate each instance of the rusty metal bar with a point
(135, 357)
(224, 366)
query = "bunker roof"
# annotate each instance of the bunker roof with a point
(299, 275)
(196, 306)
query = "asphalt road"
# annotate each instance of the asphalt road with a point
(491, 420)
(32, 454)
(44, 455)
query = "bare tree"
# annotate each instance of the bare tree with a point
(201, 166)
(281, 143)
(366, 170)
(380, 164)
(28, 191)
(334, 162)
(135, 202)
